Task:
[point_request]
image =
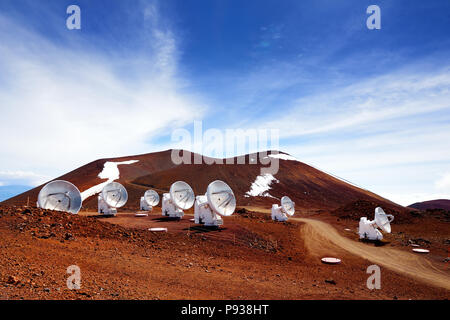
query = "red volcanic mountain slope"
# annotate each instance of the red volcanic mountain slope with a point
(443, 204)
(311, 189)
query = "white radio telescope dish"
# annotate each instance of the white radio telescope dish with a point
(60, 195)
(368, 229)
(115, 195)
(281, 213)
(221, 198)
(182, 195)
(218, 201)
(288, 205)
(383, 220)
(151, 197)
(149, 200)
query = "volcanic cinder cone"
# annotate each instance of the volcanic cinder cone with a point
(309, 188)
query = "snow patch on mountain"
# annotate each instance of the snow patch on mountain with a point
(283, 156)
(111, 172)
(261, 186)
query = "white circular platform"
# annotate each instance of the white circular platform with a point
(141, 215)
(192, 220)
(158, 229)
(421, 250)
(330, 260)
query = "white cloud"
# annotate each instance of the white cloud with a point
(22, 178)
(63, 106)
(392, 96)
(389, 134)
(443, 184)
(404, 165)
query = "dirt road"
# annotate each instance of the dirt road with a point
(320, 237)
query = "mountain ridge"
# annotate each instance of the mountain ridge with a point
(310, 188)
(443, 204)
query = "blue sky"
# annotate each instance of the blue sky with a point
(371, 106)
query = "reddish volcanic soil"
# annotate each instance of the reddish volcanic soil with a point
(251, 257)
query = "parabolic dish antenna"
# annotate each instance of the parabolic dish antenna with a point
(151, 197)
(284, 210)
(115, 194)
(288, 205)
(221, 198)
(182, 195)
(383, 220)
(60, 195)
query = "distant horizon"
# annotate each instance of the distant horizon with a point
(7, 192)
(14, 190)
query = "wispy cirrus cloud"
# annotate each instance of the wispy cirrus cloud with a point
(22, 178)
(390, 134)
(65, 103)
(395, 95)
(371, 107)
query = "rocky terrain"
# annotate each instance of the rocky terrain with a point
(250, 257)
